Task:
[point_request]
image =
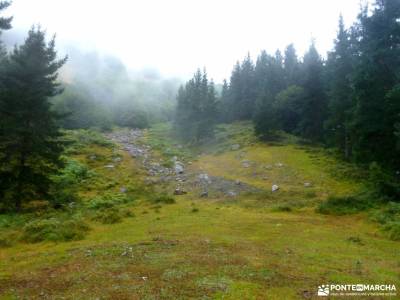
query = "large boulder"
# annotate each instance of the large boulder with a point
(179, 167)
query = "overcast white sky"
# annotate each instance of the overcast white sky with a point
(177, 36)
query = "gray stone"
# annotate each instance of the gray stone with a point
(204, 194)
(245, 164)
(123, 189)
(179, 191)
(231, 194)
(109, 166)
(307, 184)
(235, 147)
(204, 178)
(274, 188)
(179, 168)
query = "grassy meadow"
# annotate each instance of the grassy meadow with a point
(127, 238)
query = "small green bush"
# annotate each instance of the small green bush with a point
(7, 240)
(389, 217)
(345, 205)
(35, 206)
(108, 201)
(108, 216)
(65, 185)
(282, 208)
(55, 230)
(390, 213)
(163, 198)
(384, 183)
(393, 230)
(81, 138)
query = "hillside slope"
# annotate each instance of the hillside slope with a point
(227, 236)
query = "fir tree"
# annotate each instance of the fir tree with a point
(340, 68)
(196, 109)
(314, 106)
(376, 76)
(30, 144)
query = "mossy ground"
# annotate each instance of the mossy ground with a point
(218, 248)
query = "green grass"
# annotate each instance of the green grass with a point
(257, 246)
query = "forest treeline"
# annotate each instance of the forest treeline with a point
(350, 100)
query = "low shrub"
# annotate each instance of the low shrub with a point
(55, 230)
(389, 217)
(81, 138)
(390, 213)
(282, 208)
(36, 205)
(108, 216)
(108, 200)
(65, 185)
(7, 239)
(163, 198)
(393, 230)
(345, 205)
(384, 183)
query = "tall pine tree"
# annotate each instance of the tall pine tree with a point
(339, 72)
(30, 144)
(314, 106)
(376, 77)
(196, 109)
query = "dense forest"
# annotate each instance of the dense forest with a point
(349, 101)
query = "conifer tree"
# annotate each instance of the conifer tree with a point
(314, 106)
(30, 145)
(375, 80)
(339, 69)
(291, 66)
(196, 109)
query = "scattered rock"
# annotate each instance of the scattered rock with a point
(93, 157)
(237, 182)
(245, 163)
(109, 166)
(117, 159)
(279, 165)
(178, 191)
(235, 147)
(179, 168)
(265, 178)
(307, 184)
(204, 178)
(123, 189)
(204, 194)
(231, 194)
(274, 188)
